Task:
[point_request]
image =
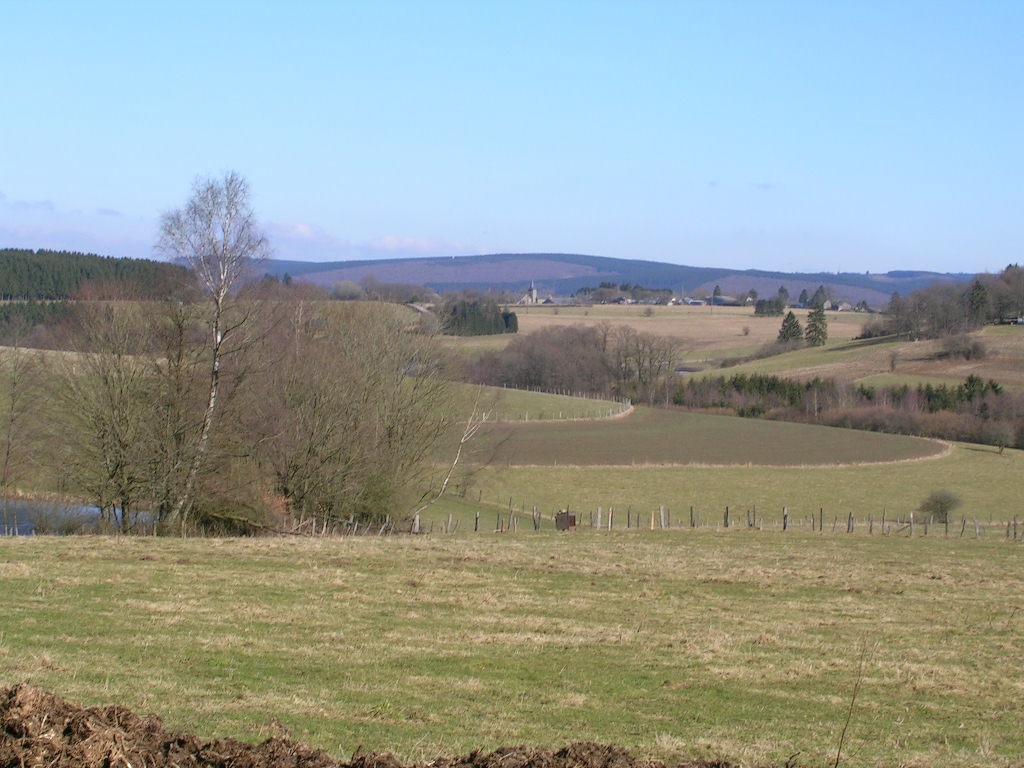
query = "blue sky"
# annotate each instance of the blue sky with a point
(795, 136)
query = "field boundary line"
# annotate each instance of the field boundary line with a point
(569, 419)
(946, 452)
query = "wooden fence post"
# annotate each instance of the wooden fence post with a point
(785, 518)
(726, 518)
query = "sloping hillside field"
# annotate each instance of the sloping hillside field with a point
(656, 436)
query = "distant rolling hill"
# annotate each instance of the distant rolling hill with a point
(562, 274)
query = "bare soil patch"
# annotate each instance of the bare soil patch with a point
(38, 728)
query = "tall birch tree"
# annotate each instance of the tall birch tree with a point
(215, 235)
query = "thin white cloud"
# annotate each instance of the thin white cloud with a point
(31, 206)
(422, 245)
(303, 241)
(43, 224)
(289, 230)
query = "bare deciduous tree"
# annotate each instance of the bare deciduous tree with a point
(18, 404)
(347, 415)
(106, 397)
(216, 235)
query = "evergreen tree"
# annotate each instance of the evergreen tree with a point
(769, 307)
(56, 275)
(817, 327)
(477, 317)
(820, 297)
(978, 301)
(790, 330)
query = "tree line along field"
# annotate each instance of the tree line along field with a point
(756, 648)
(709, 335)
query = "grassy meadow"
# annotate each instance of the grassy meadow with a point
(513, 405)
(745, 645)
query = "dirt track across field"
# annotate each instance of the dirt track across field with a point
(39, 729)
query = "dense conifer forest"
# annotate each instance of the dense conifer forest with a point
(44, 275)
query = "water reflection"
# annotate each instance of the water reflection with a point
(23, 517)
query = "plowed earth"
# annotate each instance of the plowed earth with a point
(41, 729)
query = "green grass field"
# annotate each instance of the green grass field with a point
(652, 436)
(503, 404)
(742, 645)
(989, 485)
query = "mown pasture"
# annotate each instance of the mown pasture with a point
(742, 645)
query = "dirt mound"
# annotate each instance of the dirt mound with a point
(40, 729)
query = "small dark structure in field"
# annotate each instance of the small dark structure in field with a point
(565, 521)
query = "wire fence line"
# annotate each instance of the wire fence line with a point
(510, 518)
(609, 408)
